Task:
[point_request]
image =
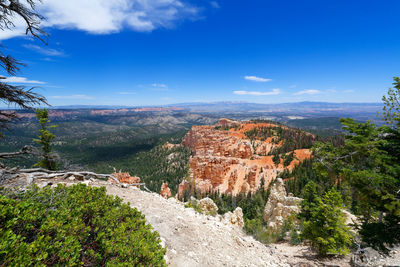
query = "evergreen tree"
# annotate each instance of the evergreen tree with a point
(326, 228)
(310, 196)
(47, 159)
(391, 109)
(369, 162)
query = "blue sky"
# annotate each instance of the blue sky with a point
(154, 52)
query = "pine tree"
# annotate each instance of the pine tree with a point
(369, 162)
(391, 109)
(47, 160)
(310, 196)
(326, 228)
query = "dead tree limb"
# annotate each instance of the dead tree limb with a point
(22, 151)
(40, 173)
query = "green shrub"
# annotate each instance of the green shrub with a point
(326, 228)
(74, 226)
(257, 229)
(295, 237)
(194, 205)
(261, 232)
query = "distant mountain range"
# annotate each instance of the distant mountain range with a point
(241, 110)
(251, 107)
(298, 107)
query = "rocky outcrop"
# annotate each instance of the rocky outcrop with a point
(125, 178)
(183, 187)
(280, 206)
(235, 217)
(165, 192)
(225, 160)
(170, 146)
(208, 206)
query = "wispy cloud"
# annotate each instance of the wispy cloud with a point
(106, 16)
(256, 79)
(71, 97)
(308, 92)
(348, 91)
(127, 93)
(159, 85)
(275, 91)
(16, 79)
(44, 50)
(214, 4)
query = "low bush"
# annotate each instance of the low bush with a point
(267, 235)
(74, 226)
(194, 205)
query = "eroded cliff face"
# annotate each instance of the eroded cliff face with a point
(233, 157)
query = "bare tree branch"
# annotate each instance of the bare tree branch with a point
(19, 96)
(23, 151)
(10, 8)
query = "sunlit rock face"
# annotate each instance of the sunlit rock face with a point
(235, 217)
(280, 206)
(208, 206)
(226, 159)
(165, 191)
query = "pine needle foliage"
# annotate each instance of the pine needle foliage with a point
(325, 228)
(17, 95)
(47, 158)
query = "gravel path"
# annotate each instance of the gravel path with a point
(194, 239)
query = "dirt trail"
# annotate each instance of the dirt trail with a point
(194, 239)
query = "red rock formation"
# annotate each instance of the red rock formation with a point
(183, 187)
(125, 178)
(224, 159)
(165, 191)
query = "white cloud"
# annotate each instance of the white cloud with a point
(308, 92)
(16, 79)
(109, 16)
(44, 50)
(273, 92)
(71, 97)
(257, 79)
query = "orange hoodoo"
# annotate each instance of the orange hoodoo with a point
(165, 191)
